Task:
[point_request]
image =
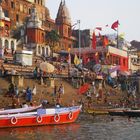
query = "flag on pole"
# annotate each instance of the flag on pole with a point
(76, 60)
(115, 25)
(69, 59)
(101, 37)
(105, 41)
(99, 28)
(94, 40)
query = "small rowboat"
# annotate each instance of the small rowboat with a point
(19, 110)
(49, 116)
(97, 111)
(117, 111)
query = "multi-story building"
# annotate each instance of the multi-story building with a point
(30, 21)
(18, 10)
(7, 44)
(109, 55)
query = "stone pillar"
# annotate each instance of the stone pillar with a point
(37, 50)
(50, 82)
(18, 80)
(3, 45)
(41, 81)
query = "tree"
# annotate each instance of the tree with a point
(52, 38)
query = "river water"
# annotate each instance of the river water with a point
(87, 127)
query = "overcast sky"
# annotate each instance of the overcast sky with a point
(98, 13)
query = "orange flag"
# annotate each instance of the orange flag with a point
(105, 41)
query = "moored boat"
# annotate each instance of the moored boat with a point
(132, 113)
(117, 112)
(19, 110)
(97, 111)
(42, 116)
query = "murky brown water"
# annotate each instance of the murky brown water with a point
(85, 128)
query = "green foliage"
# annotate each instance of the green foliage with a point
(52, 37)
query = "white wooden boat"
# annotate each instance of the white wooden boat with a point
(19, 110)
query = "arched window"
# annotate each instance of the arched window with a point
(12, 45)
(47, 51)
(39, 50)
(6, 44)
(43, 51)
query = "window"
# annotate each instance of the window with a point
(39, 50)
(29, 11)
(12, 45)
(17, 5)
(6, 44)
(17, 17)
(12, 5)
(47, 51)
(6, 13)
(43, 51)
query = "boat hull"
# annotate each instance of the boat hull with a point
(37, 120)
(97, 112)
(117, 112)
(132, 113)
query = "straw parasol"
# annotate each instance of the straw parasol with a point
(47, 67)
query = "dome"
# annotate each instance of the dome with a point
(63, 13)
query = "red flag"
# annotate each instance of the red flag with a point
(115, 25)
(84, 88)
(99, 28)
(94, 40)
(100, 36)
(105, 41)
